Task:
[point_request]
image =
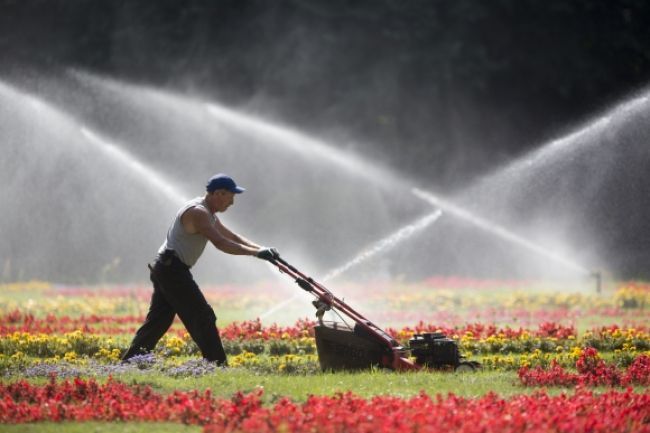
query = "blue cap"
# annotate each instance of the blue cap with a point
(223, 181)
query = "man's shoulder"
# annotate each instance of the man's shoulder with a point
(197, 211)
(194, 218)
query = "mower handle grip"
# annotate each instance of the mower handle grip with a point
(302, 280)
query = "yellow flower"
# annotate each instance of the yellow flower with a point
(576, 352)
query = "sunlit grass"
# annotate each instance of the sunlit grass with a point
(225, 383)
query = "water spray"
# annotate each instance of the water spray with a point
(304, 144)
(385, 244)
(572, 141)
(301, 143)
(146, 173)
(382, 246)
(497, 230)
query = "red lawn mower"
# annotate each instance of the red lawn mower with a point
(361, 345)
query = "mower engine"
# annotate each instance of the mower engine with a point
(434, 350)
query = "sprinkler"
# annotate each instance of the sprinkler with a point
(599, 280)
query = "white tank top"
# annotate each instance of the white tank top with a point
(188, 247)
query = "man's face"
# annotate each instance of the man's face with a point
(223, 199)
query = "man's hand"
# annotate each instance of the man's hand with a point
(268, 254)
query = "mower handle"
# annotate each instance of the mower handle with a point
(306, 280)
(306, 283)
(327, 300)
(324, 295)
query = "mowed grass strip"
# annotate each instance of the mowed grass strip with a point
(364, 384)
(225, 383)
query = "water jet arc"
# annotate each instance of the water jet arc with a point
(148, 175)
(496, 230)
(297, 142)
(382, 246)
(572, 141)
(385, 244)
(302, 144)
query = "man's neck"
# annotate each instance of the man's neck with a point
(207, 204)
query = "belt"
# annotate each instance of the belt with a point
(166, 258)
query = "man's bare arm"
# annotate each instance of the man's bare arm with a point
(229, 234)
(198, 221)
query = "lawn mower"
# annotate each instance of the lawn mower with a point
(362, 344)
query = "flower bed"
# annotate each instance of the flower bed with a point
(446, 301)
(592, 370)
(92, 328)
(82, 400)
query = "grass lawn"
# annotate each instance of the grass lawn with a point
(366, 384)
(225, 383)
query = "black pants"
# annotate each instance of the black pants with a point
(175, 292)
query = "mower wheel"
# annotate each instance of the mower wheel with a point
(467, 367)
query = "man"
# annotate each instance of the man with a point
(175, 291)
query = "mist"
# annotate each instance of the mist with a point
(334, 120)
